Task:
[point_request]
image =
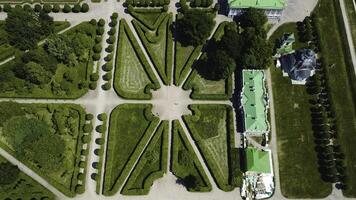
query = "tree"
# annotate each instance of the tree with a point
(59, 47)
(67, 8)
(56, 8)
(76, 8)
(85, 8)
(8, 173)
(7, 114)
(26, 28)
(219, 65)
(231, 42)
(194, 27)
(253, 17)
(33, 72)
(47, 8)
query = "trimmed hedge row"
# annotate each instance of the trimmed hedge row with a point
(210, 161)
(163, 30)
(196, 94)
(48, 8)
(102, 117)
(124, 29)
(177, 169)
(201, 3)
(160, 138)
(136, 13)
(146, 3)
(111, 190)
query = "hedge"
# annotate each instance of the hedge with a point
(67, 8)
(88, 128)
(89, 116)
(147, 3)
(84, 8)
(111, 190)
(94, 77)
(92, 85)
(160, 138)
(56, 8)
(100, 141)
(101, 22)
(107, 76)
(124, 29)
(136, 14)
(101, 128)
(102, 117)
(107, 66)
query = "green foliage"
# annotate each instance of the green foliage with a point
(107, 76)
(56, 8)
(89, 116)
(217, 65)
(93, 22)
(107, 66)
(102, 116)
(106, 86)
(37, 8)
(94, 77)
(59, 46)
(88, 128)
(84, 8)
(47, 8)
(76, 8)
(85, 140)
(26, 28)
(100, 31)
(8, 173)
(97, 48)
(194, 27)
(6, 113)
(101, 22)
(33, 72)
(7, 8)
(67, 8)
(101, 128)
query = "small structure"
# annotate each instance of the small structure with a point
(254, 101)
(272, 8)
(258, 179)
(299, 66)
(285, 45)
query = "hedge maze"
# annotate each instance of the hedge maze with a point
(133, 76)
(31, 131)
(185, 164)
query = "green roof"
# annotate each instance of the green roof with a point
(258, 160)
(254, 101)
(261, 4)
(286, 46)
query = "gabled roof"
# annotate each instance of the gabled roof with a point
(254, 101)
(286, 44)
(258, 160)
(261, 4)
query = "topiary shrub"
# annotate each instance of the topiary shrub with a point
(47, 8)
(107, 76)
(97, 48)
(67, 8)
(102, 116)
(82, 164)
(99, 141)
(25, 7)
(93, 22)
(166, 2)
(79, 189)
(87, 128)
(108, 57)
(106, 86)
(101, 22)
(84, 152)
(130, 8)
(165, 8)
(81, 176)
(84, 8)
(114, 15)
(112, 31)
(111, 39)
(85, 139)
(110, 48)
(7, 8)
(94, 77)
(98, 39)
(92, 85)
(113, 23)
(76, 8)
(100, 31)
(89, 116)
(38, 8)
(56, 8)
(107, 66)
(96, 56)
(101, 128)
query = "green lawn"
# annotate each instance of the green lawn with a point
(65, 121)
(212, 128)
(58, 86)
(151, 18)
(151, 166)
(185, 163)
(351, 14)
(133, 75)
(158, 44)
(131, 126)
(341, 80)
(24, 187)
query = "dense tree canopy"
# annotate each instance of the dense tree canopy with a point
(252, 17)
(8, 173)
(26, 28)
(58, 46)
(217, 65)
(195, 27)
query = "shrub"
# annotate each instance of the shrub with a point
(94, 77)
(130, 8)
(113, 23)
(96, 56)
(89, 116)
(166, 2)
(112, 31)
(7, 8)
(56, 8)
(165, 8)
(84, 152)
(97, 48)
(98, 39)
(79, 189)
(67, 8)
(38, 8)
(216, 7)
(107, 76)
(80, 176)
(111, 40)
(107, 66)
(99, 141)
(87, 128)
(1, 8)
(85, 8)
(85, 139)
(101, 128)
(101, 22)
(100, 31)
(82, 164)
(106, 86)
(47, 8)
(76, 8)
(114, 15)
(25, 7)
(92, 85)
(93, 22)
(108, 57)
(110, 48)
(102, 116)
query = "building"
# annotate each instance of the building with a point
(272, 8)
(299, 65)
(254, 101)
(258, 179)
(285, 45)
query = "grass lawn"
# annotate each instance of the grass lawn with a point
(131, 126)
(288, 28)
(342, 82)
(58, 86)
(158, 44)
(185, 163)
(351, 14)
(151, 18)
(211, 128)
(133, 76)
(24, 187)
(151, 166)
(65, 121)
